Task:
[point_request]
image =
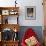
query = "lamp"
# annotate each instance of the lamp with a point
(15, 3)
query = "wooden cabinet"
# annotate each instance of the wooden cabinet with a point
(9, 23)
(10, 43)
(7, 13)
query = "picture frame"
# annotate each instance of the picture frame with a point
(5, 12)
(13, 12)
(30, 12)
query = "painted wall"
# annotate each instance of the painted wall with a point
(22, 4)
(39, 13)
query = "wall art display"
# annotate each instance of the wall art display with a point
(30, 12)
(5, 12)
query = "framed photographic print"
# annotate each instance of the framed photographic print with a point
(5, 12)
(30, 12)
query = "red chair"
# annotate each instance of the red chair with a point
(29, 33)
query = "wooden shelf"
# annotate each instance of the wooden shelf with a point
(9, 8)
(11, 26)
(9, 43)
(4, 13)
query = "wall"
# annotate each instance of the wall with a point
(22, 21)
(39, 13)
(22, 4)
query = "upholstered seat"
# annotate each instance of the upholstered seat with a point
(29, 36)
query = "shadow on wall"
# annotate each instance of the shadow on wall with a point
(37, 29)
